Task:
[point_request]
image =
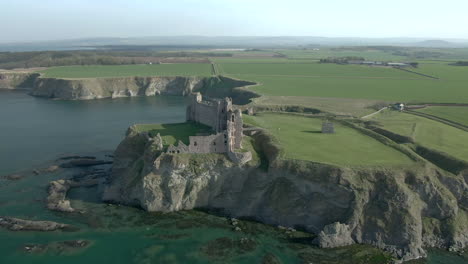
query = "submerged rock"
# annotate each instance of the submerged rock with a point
(76, 157)
(14, 177)
(270, 258)
(60, 248)
(16, 224)
(84, 163)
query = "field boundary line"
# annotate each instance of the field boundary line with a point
(438, 119)
(326, 76)
(417, 73)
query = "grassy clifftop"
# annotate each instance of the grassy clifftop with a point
(301, 139)
(142, 70)
(172, 133)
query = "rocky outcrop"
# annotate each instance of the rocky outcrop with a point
(335, 235)
(16, 224)
(57, 198)
(398, 210)
(17, 80)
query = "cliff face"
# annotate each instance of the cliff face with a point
(13, 80)
(85, 89)
(97, 88)
(401, 210)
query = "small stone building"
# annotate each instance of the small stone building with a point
(328, 127)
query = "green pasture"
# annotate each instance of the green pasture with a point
(322, 53)
(408, 91)
(354, 81)
(444, 71)
(456, 114)
(142, 70)
(301, 138)
(426, 132)
(337, 106)
(272, 60)
(314, 69)
(172, 133)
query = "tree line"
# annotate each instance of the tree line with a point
(12, 60)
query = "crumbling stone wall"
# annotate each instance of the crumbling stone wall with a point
(208, 144)
(180, 148)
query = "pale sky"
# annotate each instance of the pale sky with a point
(32, 20)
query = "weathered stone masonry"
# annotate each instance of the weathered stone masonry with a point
(226, 123)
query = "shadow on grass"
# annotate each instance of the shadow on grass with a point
(181, 131)
(312, 131)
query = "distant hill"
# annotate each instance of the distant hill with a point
(230, 42)
(437, 43)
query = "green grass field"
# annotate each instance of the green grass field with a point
(337, 106)
(351, 81)
(330, 52)
(99, 71)
(428, 133)
(456, 114)
(444, 71)
(172, 133)
(301, 139)
(314, 69)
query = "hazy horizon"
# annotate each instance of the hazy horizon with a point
(52, 20)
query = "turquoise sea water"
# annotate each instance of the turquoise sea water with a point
(34, 132)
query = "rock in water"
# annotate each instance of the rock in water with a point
(16, 224)
(335, 235)
(57, 198)
(14, 177)
(84, 163)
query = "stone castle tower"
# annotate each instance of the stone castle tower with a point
(218, 114)
(227, 126)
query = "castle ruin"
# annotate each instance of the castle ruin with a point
(226, 123)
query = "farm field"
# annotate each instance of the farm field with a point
(314, 69)
(337, 106)
(426, 132)
(100, 71)
(301, 139)
(444, 71)
(353, 81)
(379, 53)
(456, 114)
(330, 52)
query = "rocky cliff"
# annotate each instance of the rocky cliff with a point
(399, 210)
(96, 88)
(17, 80)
